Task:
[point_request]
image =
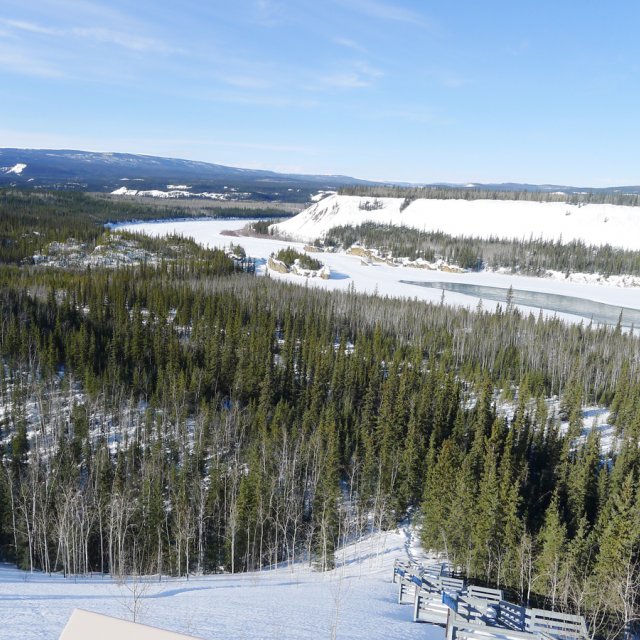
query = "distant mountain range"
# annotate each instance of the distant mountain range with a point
(107, 172)
(132, 174)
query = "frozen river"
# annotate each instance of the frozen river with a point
(599, 312)
(571, 301)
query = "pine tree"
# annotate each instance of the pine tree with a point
(552, 541)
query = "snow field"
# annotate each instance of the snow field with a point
(596, 224)
(356, 601)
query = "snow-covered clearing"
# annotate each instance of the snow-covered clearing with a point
(596, 224)
(179, 191)
(17, 168)
(350, 271)
(356, 600)
(594, 417)
(597, 418)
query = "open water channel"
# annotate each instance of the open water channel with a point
(599, 312)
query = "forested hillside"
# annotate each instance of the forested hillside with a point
(30, 220)
(181, 416)
(532, 256)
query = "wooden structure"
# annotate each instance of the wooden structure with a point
(477, 613)
(458, 628)
(562, 626)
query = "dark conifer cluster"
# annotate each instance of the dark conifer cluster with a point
(290, 255)
(527, 256)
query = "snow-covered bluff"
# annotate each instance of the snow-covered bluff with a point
(596, 224)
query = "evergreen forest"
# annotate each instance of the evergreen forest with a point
(525, 256)
(183, 416)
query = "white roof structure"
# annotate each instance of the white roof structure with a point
(86, 624)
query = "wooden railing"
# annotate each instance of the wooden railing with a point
(477, 613)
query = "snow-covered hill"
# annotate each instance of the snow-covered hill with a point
(596, 224)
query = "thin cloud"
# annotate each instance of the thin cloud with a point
(256, 99)
(32, 27)
(246, 82)
(152, 146)
(388, 11)
(348, 80)
(19, 63)
(350, 44)
(267, 13)
(416, 115)
(361, 75)
(122, 39)
(126, 40)
(368, 70)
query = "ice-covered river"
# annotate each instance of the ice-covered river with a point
(599, 312)
(571, 301)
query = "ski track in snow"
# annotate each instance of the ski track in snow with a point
(284, 603)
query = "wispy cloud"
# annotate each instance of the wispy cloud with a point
(350, 44)
(267, 13)
(347, 80)
(21, 63)
(103, 35)
(358, 76)
(31, 27)
(389, 11)
(253, 99)
(129, 41)
(245, 82)
(418, 115)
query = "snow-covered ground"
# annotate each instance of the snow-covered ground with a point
(356, 600)
(596, 224)
(178, 192)
(597, 418)
(17, 168)
(348, 270)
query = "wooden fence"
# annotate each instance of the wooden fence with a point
(477, 613)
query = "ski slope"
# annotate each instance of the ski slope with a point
(596, 224)
(356, 601)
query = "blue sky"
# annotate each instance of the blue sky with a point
(458, 90)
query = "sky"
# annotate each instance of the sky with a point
(416, 91)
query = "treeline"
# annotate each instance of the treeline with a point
(599, 196)
(531, 257)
